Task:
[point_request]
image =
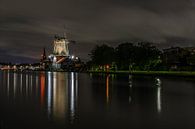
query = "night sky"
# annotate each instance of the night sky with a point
(26, 26)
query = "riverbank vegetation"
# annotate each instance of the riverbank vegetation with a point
(143, 56)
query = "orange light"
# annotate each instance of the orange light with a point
(42, 88)
(107, 88)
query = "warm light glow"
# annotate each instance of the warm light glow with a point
(54, 93)
(26, 84)
(21, 77)
(8, 85)
(107, 88)
(61, 47)
(60, 95)
(42, 87)
(15, 79)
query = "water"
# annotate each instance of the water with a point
(56, 100)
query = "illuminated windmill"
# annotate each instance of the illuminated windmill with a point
(60, 58)
(61, 46)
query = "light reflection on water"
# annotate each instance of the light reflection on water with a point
(57, 91)
(156, 85)
(76, 100)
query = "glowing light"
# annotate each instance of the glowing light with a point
(72, 99)
(159, 99)
(158, 83)
(107, 88)
(49, 93)
(54, 59)
(61, 46)
(42, 88)
(55, 102)
(21, 77)
(76, 86)
(54, 87)
(8, 84)
(15, 79)
(27, 84)
(60, 93)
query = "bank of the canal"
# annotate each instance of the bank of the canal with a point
(151, 73)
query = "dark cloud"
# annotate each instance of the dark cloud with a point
(159, 6)
(26, 26)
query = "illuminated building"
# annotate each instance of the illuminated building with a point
(61, 58)
(61, 46)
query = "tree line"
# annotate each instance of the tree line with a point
(140, 56)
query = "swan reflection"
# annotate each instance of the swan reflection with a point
(159, 104)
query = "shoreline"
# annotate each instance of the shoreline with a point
(141, 73)
(150, 73)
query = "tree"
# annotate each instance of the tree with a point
(102, 55)
(125, 55)
(145, 54)
(138, 56)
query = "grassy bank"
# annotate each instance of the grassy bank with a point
(152, 73)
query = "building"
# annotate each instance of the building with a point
(190, 58)
(171, 56)
(179, 58)
(61, 46)
(61, 59)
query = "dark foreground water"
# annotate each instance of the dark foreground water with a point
(52, 100)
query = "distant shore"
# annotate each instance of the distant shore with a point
(151, 73)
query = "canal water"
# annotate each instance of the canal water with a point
(57, 100)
